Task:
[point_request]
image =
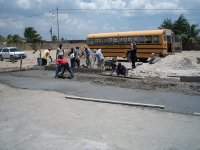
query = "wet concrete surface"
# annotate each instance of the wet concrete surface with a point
(43, 80)
(45, 120)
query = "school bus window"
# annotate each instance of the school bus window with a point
(90, 41)
(110, 40)
(148, 39)
(155, 39)
(95, 41)
(115, 40)
(122, 39)
(99, 41)
(105, 40)
(129, 39)
(141, 39)
(135, 39)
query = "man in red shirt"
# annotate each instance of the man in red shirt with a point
(63, 63)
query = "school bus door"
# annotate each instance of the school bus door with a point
(169, 43)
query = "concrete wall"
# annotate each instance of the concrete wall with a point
(46, 45)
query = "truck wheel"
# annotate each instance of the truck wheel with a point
(1, 58)
(12, 58)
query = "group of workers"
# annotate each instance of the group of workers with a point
(61, 63)
(75, 54)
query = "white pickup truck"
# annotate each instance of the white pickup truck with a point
(11, 53)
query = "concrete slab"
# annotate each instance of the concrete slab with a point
(189, 78)
(41, 120)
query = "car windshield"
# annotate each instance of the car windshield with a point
(14, 50)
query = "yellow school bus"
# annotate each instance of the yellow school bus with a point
(117, 44)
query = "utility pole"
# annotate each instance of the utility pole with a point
(57, 23)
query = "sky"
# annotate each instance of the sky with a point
(78, 18)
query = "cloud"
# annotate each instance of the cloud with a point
(168, 7)
(85, 4)
(24, 4)
(134, 7)
(97, 16)
(3, 24)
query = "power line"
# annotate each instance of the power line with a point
(21, 18)
(128, 9)
(102, 9)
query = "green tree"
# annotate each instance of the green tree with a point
(167, 24)
(188, 33)
(34, 38)
(192, 35)
(9, 38)
(31, 35)
(14, 39)
(62, 39)
(181, 26)
(17, 38)
(54, 38)
(2, 39)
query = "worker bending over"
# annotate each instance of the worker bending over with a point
(63, 64)
(120, 69)
(45, 55)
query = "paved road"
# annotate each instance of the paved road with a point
(46, 120)
(43, 80)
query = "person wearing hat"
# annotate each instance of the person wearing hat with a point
(133, 54)
(63, 64)
(45, 56)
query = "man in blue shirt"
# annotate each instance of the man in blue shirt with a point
(88, 55)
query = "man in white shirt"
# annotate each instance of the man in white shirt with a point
(100, 59)
(60, 52)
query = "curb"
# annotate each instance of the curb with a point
(114, 102)
(23, 69)
(189, 78)
(196, 113)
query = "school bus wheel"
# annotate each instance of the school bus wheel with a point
(143, 60)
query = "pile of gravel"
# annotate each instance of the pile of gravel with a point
(173, 62)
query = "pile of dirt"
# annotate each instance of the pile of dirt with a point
(180, 64)
(185, 64)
